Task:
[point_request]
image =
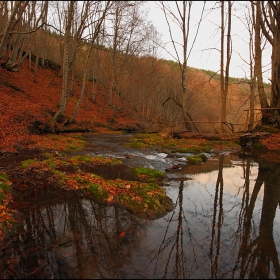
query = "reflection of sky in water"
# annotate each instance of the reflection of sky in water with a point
(199, 214)
(233, 178)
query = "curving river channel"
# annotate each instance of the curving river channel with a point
(225, 224)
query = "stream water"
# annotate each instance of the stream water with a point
(225, 224)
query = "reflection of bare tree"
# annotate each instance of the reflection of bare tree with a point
(177, 254)
(178, 257)
(215, 231)
(75, 238)
(217, 220)
(258, 253)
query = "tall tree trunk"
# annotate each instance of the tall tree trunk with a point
(275, 63)
(252, 104)
(258, 56)
(270, 25)
(224, 81)
(183, 20)
(275, 69)
(63, 99)
(252, 85)
(72, 120)
(9, 27)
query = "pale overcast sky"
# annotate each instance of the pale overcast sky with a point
(204, 55)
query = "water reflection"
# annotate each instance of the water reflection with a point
(225, 234)
(226, 224)
(258, 256)
(74, 239)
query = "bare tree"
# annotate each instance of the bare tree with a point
(63, 99)
(182, 18)
(253, 63)
(224, 81)
(270, 25)
(126, 35)
(100, 13)
(16, 13)
(42, 43)
(256, 14)
(252, 74)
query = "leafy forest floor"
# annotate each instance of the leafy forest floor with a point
(27, 105)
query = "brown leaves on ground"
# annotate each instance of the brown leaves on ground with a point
(38, 99)
(272, 144)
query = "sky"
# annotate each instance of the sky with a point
(205, 53)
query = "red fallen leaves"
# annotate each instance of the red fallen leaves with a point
(272, 142)
(18, 110)
(4, 216)
(122, 234)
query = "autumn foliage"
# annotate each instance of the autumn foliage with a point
(26, 98)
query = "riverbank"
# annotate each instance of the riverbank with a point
(50, 164)
(47, 162)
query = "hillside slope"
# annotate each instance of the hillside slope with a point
(28, 103)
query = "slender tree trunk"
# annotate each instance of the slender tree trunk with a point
(224, 82)
(94, 80)
(9, 27)
(252, 85)
(83, 89)
(275, 69)
(275, 63)
(63, 99)
(258, 57)
(269, 21)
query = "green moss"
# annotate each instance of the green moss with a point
(179, 145)
(98, 192)
(206, 149)
(194, 160)
(89, 159)
(83, 158)
(136, 145)
(82, 181)
(72, 147)
(4, 187)
(171, 145)
(63, 177)
(3, 177)
(51, 162)
(145, 198)
(2, 197)
(26, 163)
(152, 174)
(203, 157)
(128, 203)
(119, 183)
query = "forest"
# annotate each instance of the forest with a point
(73, 73)
(107, 50)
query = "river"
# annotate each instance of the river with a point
(225, 224)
